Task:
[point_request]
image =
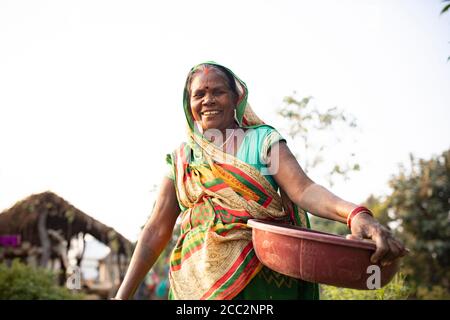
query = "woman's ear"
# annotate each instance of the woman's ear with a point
(235, 101)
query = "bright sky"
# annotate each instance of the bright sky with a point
(90, 91)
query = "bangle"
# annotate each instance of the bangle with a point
(355, 212)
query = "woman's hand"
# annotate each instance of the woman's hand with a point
(389, 248)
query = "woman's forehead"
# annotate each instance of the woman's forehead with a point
(210, 78)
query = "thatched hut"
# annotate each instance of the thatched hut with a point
(47, 224)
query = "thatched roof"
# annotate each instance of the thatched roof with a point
(23, 217)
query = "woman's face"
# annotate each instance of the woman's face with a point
(212, 101)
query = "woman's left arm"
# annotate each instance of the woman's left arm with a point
(319, 201)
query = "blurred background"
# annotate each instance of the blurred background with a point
(91, 102)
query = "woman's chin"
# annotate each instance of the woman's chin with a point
(212, 124)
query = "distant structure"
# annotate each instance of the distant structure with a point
(47, 226)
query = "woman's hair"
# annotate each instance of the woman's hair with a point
(229, 77)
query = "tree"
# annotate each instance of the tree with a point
(419, 206)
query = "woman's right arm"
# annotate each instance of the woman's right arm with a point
(154, 237)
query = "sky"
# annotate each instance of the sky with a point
(91, 91)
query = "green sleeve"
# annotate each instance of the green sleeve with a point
(271, 137)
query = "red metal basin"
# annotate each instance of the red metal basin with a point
(317, 256)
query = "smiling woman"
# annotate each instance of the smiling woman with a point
(213, 97)
(233, 168)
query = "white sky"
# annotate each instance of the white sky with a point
(90, 91)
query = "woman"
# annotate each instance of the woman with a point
(229, 171)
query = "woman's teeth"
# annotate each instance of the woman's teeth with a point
(208, 113)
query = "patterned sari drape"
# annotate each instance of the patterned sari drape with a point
(214, 256)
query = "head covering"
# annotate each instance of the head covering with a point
(244, 113)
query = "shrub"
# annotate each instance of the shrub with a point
(395, 290)
(433, 293)
(23, 282)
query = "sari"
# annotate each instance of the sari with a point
(218, 193)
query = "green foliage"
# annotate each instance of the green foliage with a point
(22, 282)
(419, 207)
(446, 7)
(433, 293)
(420, 202)
(397, 289)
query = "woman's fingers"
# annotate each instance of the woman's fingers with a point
(393, 253)
(382, 248)
(388, 248)
(353, 237)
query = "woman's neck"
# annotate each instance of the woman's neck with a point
(229, 128)
(230, 139)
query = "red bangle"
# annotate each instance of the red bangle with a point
(355, 212)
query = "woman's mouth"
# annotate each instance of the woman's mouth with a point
(211, 113)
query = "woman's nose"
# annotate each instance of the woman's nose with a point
(209, 99)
